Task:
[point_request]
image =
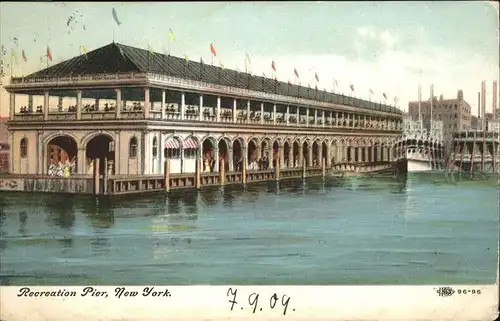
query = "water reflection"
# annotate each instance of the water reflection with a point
(59, 211)
(23, 218)
(99, 211)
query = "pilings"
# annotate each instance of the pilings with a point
(198, 174)
(166, 174)
(96, 176)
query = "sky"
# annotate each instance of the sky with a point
(388, 47)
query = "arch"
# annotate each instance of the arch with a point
(287, 148)
(253, 151)
(101, 146)
(276, 150)
(23, 147)
(315, 153)
(242, 141)
(265, 146)
(154, 149)
(87, 138)
(324, 152)
(305, 152)
(191, 146)
(61, 149)
(133, 145)
(51, 136)
(223, 149)
(172, 150)
(208, 145)
(238, 148)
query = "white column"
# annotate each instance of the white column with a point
(230, 159)
(161, 156)
(163, 108)
(323, 117)
(218, 109)
(307, 116)
(146, 103)
(183, 105)
(200, 116)
(118, 103)
(12, 107)
(78, 106)
(274, 114)
(248, 112)
(315, 116)
(234, 110)
(298, 115)
(216, 159)
(261, 113)
(287, 115)
(46, 105)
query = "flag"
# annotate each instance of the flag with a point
(171, 35)
(83, 51)
(371, 91)
(212, 49)
(24, 56)
(115, 16)
(13, 54)
(316, 76)
(296, 72)
(49, 54)
(352, 87)
(385, 96)
(273, 65)
(186, 58)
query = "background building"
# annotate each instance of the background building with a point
(455, 113)
(4, 145)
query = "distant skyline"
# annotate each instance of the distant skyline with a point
(388, 47)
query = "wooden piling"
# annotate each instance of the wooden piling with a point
(105, 176)
(222, 173)
(198, 174)
(244, 171)
(472, 156)
(304, 173)
(96, 176)
(323, 167)
(166, 173)
(277, 169)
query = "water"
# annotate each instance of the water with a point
(366, 230)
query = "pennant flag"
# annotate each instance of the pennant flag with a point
(14, 56)
(83, 51)
(371, 91)
(115, 16)
(273, 65)
(24, 56)
(186, 58)
(171, 35)
(385, 96)
(352, 87)
(49, 54)
(212, 49)
(296, 72)
(316, 76)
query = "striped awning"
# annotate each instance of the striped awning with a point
(172, 143)
(190, 144)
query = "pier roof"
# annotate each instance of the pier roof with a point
(120, 58)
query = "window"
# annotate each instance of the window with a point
(23, 147)
(172, 153)
(190, 153)
(132, 147)
(155, 147)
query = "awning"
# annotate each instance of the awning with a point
(172, 143)
(190, 144)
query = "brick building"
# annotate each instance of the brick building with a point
(455, 113)
(4, 145)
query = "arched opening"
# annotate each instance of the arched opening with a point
(276, 153)
(253, 157)
(349, 154)
(238, 155)
(61, 156)
(23, 147)
(315, 152)
(286, 154)
(102, 147)
(305, 154)
(335, 152)
(223, 154)
(264, 148)
(324, 152)
(208, 155)
(172, 152)
(190, 154)
(296, 154)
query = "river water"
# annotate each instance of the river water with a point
(420, 229)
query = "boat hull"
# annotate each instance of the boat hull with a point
(418, 166)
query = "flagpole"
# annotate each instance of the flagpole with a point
(11, 62)
(113, 33)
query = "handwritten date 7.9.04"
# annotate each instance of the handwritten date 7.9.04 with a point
(274, 302)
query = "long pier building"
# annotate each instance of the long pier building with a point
(132, 110)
